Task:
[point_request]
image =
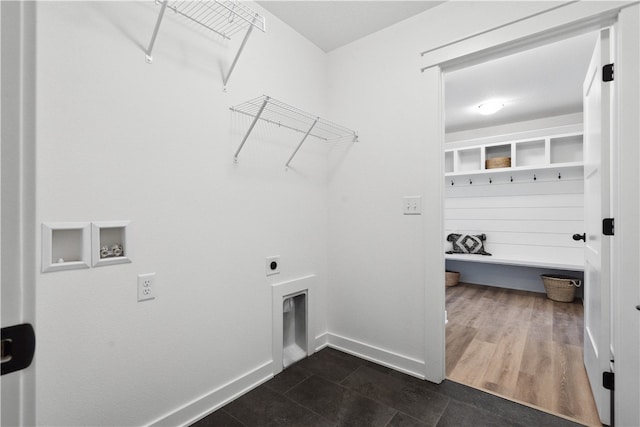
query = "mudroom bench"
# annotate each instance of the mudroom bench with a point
(509, 271)
(515, 261)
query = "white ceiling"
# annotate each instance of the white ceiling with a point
(537, 83)
(542, 82)
(332, 24)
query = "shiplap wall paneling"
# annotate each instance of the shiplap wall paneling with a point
(526, 221)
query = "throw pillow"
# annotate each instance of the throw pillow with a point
(467, 244)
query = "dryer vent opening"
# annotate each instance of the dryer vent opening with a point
(294, 328)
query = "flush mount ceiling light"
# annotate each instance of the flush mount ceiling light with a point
(490, 107)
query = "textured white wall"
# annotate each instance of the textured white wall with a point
(119, 139)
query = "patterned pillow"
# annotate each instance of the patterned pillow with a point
(467, 243)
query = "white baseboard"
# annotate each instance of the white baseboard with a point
(377, 355)
(217, 398)
(321, 342)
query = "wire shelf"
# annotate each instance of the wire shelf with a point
(225, 18)
(276, 112)
(284, 115)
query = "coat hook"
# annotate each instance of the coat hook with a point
(559, 175)
(511, 179)
(452, 183)
(470, 182)
(534, 177)
(490, 181)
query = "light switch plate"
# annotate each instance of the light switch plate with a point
(412, 205)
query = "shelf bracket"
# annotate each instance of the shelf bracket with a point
(155, 31)
(301, 142)
(235, 60)
(253, 123)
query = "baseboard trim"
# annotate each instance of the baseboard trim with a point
(322, 341)
(395, 361)
(210, 402)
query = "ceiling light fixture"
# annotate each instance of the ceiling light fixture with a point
(490, 107)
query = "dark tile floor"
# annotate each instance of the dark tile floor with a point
(331, 388)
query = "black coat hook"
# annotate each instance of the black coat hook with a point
(470, 182)
(511, 179)
(534, 177)
(559, 175)
(490, 181)
(452, 183)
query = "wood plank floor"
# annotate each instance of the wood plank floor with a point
(519, 345)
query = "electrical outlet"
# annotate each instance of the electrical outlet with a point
(273, 265)
(146, 286)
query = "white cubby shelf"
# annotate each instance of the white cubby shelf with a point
(554, 152)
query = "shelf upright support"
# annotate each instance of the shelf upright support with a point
(253, 123)
(155, 31)
(235, 60)
(302, 142)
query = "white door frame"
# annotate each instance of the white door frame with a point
(18, 257)
(574, 19)
(625, 207)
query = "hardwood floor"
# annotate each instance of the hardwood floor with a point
(519, 345)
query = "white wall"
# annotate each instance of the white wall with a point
(528, 129)
(119, 139)
(386, 280)
(522, 221)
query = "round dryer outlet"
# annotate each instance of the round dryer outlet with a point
(273, 265)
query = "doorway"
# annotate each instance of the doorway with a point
(509, 339)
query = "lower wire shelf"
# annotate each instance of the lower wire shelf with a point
(276, 112)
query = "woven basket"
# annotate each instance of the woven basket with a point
(497, 162)
(560, 288)
(451, 278)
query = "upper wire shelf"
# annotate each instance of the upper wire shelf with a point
(284, 115)
(223, 17)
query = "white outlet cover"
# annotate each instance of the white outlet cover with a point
(146, 286)
(273, 265)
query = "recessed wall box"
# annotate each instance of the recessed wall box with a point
(294, 328)
(109, 243)
(65, 246)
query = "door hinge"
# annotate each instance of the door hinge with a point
(607, 226)
(18, 347)
(608, 380)
(607, 73)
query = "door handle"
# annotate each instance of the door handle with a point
(18, 347)
(582, 236)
